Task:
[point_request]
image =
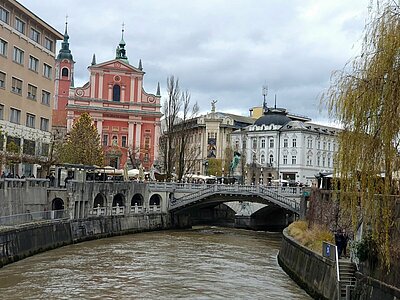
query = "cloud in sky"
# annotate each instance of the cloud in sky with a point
(220, 49)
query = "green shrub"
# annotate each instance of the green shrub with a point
(366, 249)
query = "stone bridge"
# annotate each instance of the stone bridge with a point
(248, 206)
(184, 195)
(200, 202)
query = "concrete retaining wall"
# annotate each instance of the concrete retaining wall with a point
(24, 241)
(314, 273)
(20, 200)
(369, 288)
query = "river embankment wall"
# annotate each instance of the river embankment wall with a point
(22, 241)
(370, 288)
(311, 271)
(317, 274)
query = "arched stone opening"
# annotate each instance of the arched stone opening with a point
(271, 218)
(99, 201)
(64, 72)
(57, 207)
(155, 203)
(118, 204)
(137, 203)
(155, 200)
(137, 200)
(118, 200)
(57, 204)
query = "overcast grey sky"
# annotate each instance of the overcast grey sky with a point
(220, 49)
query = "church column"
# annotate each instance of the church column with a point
(101, 77)
(100, 128)
(123, 93)
(156, 139)
(132, 89)
(131, 130)
(139, 90)
(138, 136)
(92, 85)
(110, 90)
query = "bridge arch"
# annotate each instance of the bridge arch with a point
(272, 217)
(137, 199)
(118, 200)
(100, 200)
(155, 200)
(57, 204)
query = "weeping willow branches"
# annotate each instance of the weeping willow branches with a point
(366, 101)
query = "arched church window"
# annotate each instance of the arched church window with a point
(64, 72)
(116, 93)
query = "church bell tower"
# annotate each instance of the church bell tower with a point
(63, 81)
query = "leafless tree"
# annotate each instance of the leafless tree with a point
(174, 143)
(183, 134)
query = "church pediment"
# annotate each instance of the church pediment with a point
(117, 65)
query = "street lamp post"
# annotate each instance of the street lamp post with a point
(261, 176)
(223, 175)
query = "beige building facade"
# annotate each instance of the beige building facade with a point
(209, 137)
(27, 59)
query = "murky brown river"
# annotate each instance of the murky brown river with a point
(203, 263)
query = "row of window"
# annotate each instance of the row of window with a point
(196, 138)
(34, 34)
(326, 161)
(325, 145)
(114, 140)
(19, 58)
(29, 147)
(124, 141)
(30, 121)
(17, 88)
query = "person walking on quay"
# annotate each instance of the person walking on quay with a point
(339, 241)
(345, 240)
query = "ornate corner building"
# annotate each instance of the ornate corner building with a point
(126, 116)
(281, 146)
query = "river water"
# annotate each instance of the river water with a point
(202, 263)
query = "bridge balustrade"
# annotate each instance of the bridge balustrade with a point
(98, 211)
(137, 209)
(173, 186)
(169, 186)
(118, 210)
(22, 183)
(276, 194)
(154, 208)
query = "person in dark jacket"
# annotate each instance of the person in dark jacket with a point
(339, 241)
(344, 242)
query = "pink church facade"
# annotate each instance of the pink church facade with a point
(127, 118)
